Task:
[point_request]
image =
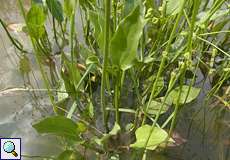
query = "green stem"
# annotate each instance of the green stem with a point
(159, 74)
(17, 44)
(44, 76)
(178, 101)
(55, 32)
(105, 62)
(115, 14)
(117, 97)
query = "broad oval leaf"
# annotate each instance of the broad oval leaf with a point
(35, 21)
(124, 43)
(58, 125)
(55, 9)
(157, 137)
(155, 107)
(173, 95)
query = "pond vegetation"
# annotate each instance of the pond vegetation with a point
(118, 89)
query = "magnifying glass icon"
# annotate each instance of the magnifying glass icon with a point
(9, 147)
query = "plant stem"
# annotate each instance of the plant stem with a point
(178, 101)
(105, 62)
(55, 32)
(165, 54)
(117, 97)
(115, 14)
(44, 76)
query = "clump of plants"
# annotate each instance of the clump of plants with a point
(136, 61)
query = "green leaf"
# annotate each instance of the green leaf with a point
(58, 125)
(91, 109)
(92, 59)
(70, 155)
(24, 65)
(68, 7)
(55, 9)
(155, 107)
(98, 21)
(116, 129)
(36, 19)
(130, 5)
(124, 43)
(173, 7)
(73, 73)
(149, 82)
(157, 137)
(87, 4)
(173, 95)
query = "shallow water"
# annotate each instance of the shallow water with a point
(18, 110)
(208, 138)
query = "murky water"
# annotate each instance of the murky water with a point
(18, 110)
(206, 133)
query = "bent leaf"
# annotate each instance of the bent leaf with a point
(157, 137)
(124, 43)
(58, 125)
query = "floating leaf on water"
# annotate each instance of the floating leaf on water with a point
(173, 95)
(155, 107)
(157, 137)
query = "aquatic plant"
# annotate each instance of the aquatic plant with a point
(152, 50)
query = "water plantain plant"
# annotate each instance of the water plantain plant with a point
(141, 58)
